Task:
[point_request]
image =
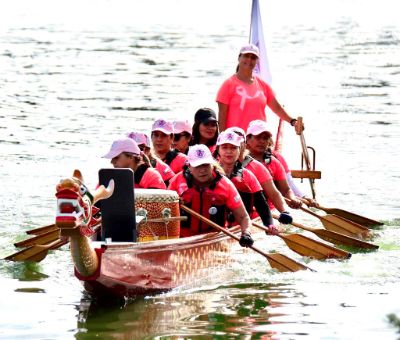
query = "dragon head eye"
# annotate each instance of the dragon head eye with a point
(82, 190)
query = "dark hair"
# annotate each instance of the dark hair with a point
(196, 135)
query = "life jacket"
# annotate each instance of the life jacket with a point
(139, 173)
(170, 156)
(244, 190)
(247, 159)
(267, 156)
(206, 201)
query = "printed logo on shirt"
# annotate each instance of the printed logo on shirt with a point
(182, 188)
(241, 91)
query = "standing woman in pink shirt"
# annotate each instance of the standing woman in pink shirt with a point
(244, 96)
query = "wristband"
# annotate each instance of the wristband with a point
(293, 121)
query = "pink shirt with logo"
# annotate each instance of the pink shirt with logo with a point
(151, 179)
(246, 102)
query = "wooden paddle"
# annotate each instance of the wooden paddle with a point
(306, 157)
(339, 225)
(278, 261)
(334, 237)
(364, 221)
(39, 239)
(308, 247)
(42, 230)
(334, 223)
(346, 215)
(36, 252)
(39, 245)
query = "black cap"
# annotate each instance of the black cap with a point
(205, 115)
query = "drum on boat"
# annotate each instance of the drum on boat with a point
(160, 205)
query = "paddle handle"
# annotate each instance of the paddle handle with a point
(216, 226)
(298, 225)
(308, 211)
(305, 209)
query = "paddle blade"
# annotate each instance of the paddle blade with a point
(313, 248)
(364, 221)
(340, 239)
(337, 224)
(285, 264)
(41, 239)
(36, 253)
(42, 230)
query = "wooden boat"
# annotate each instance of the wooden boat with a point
(157, 261)
(127, 269)
(140, 252)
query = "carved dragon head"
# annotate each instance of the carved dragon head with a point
(75, 204)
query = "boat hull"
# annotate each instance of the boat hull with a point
(134, 269)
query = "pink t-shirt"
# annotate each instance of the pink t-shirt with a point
(276, 170)
(246, 102)
(151, 179)
(251, 181)
(262, 174)
(282, 160)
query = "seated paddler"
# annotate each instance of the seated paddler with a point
(204, 189)
(125, 153)
(250, 190)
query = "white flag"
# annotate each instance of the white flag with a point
(262, 68)
(257, 38)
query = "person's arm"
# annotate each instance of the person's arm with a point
(262, 208)
(243, 218)
(281, 113)
(274, 195)
(222, 113)
(285, 190)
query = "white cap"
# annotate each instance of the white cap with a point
(229, 137)
(182, 126)
(199, 154)
(163, 126)
(256, 127)
(250, 48)
(122, 145)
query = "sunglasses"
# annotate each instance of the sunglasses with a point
(178, 136)
(142, 147)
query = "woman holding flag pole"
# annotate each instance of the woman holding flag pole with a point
(244, 96)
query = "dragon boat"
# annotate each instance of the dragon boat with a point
(114, 255)
(125, 242)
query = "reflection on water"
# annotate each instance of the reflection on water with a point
(234, 310)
